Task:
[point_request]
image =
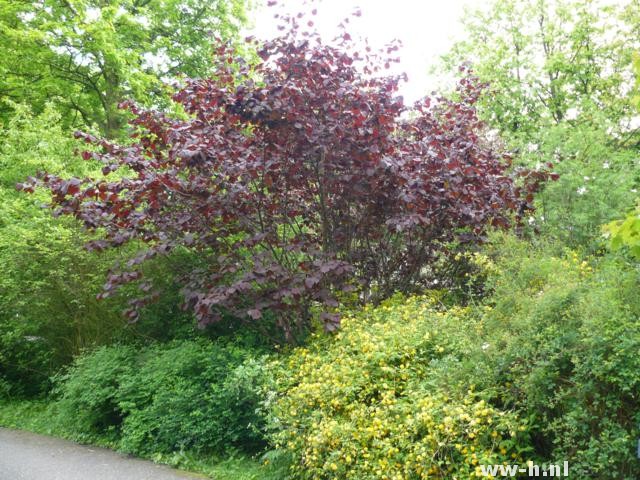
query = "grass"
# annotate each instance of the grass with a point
(30, 415)
(36, 416)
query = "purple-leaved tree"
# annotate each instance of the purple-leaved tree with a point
(294, 179)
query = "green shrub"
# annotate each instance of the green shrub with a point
(563, 336)
(90, 391)
(550, 355)
(5, 388)
(184, 397)
(625, 233)
(371, 403)
(48, 282)
(25, 360)
(597, 180)
(194, 396)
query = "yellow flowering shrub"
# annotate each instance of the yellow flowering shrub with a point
(562, 338)
(364, 404)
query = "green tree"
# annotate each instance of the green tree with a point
(559, 74)
(89, 55)
(49, 310)
(549, 61)
(625, 233)
(48, 284)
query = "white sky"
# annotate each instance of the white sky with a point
(427, 29)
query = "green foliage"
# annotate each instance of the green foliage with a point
(559, 79)
(563, 336)
(636, 66)
(31, 415)
(541, 365)
(89, 391)
(548, 61)
(48, 309)
(378, 401)
(548, 361)
(36, 416)
(192, 396)
(89, 55)
(597, 180)
(25, 360)
(625, 233)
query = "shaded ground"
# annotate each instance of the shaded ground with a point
(27, 456)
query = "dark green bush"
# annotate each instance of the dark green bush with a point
(90, 391)
(185, 397)
(25, 359)
(191, 395)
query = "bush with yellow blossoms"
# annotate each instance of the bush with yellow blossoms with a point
(369, 403)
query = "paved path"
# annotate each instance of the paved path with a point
(26, 456)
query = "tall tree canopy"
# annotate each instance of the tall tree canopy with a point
(291, 188)
(561, 82)
(550, 60)
(91, 54)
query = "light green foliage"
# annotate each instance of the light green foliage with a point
(48, 309)
(188, 396)
(32, 143)
(636, 66)
(631, 17)
(625, 233)
(378, 400)
(547, 61)
(559, 74)
(30, 415)
(89, 55)
(597, 179)
(562, 336)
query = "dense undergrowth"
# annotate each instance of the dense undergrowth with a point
(320, 283)
(543, 368)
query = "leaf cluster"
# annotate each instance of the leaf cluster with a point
(309, 181)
